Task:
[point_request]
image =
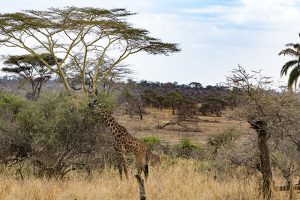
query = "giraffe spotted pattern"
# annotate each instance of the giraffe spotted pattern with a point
(125, 144)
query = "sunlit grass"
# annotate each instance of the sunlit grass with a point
(179, 181)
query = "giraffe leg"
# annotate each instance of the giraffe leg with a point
(120, 169)
(125, 167)
(141, 166)
(120, 164)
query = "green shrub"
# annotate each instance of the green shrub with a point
(107, 100)
(187, 143)
(151, 141)
(11, 103)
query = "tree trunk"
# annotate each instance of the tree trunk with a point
(265, 164)
(140, 112)
(173, 110)
(39, 87)
(33, 88)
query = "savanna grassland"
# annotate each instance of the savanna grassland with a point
(234, 140)
(167, 182)
(174, 179)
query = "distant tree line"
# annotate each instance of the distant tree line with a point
(185, 100)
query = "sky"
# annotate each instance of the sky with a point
(215, 35)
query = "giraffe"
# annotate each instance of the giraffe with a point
(125, 144)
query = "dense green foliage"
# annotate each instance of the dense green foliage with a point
(151, 141)
(187, 143)
(56, 134)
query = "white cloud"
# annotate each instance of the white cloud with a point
(17, 5)
(206, 10)
(249, 13)
(214, 37)
(267, 12)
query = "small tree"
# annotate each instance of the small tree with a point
(173, 100)
(196, 86)
(260, 107)
(131, 96)
(30, 68)
(187, 108)
(149, 96)
(212, 104)
(159, 101)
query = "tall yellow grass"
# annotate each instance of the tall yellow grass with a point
(180, 181)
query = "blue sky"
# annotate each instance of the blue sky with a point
(215, 36)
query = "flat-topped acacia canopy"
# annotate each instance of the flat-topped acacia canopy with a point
(84, 38)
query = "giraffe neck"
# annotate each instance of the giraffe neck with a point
(110, 122)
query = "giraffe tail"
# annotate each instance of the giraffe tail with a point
(146, 161)
(146, 171)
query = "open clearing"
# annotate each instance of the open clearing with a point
(203, 127)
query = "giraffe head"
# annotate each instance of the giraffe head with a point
(100, 108)
(94, 103)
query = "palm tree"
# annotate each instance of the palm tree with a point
(293, 49)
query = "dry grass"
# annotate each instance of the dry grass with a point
(167, 182)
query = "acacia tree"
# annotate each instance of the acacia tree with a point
(197, 86)
(173, 100)
(212, 104)
(84, 36)
(31, 69)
